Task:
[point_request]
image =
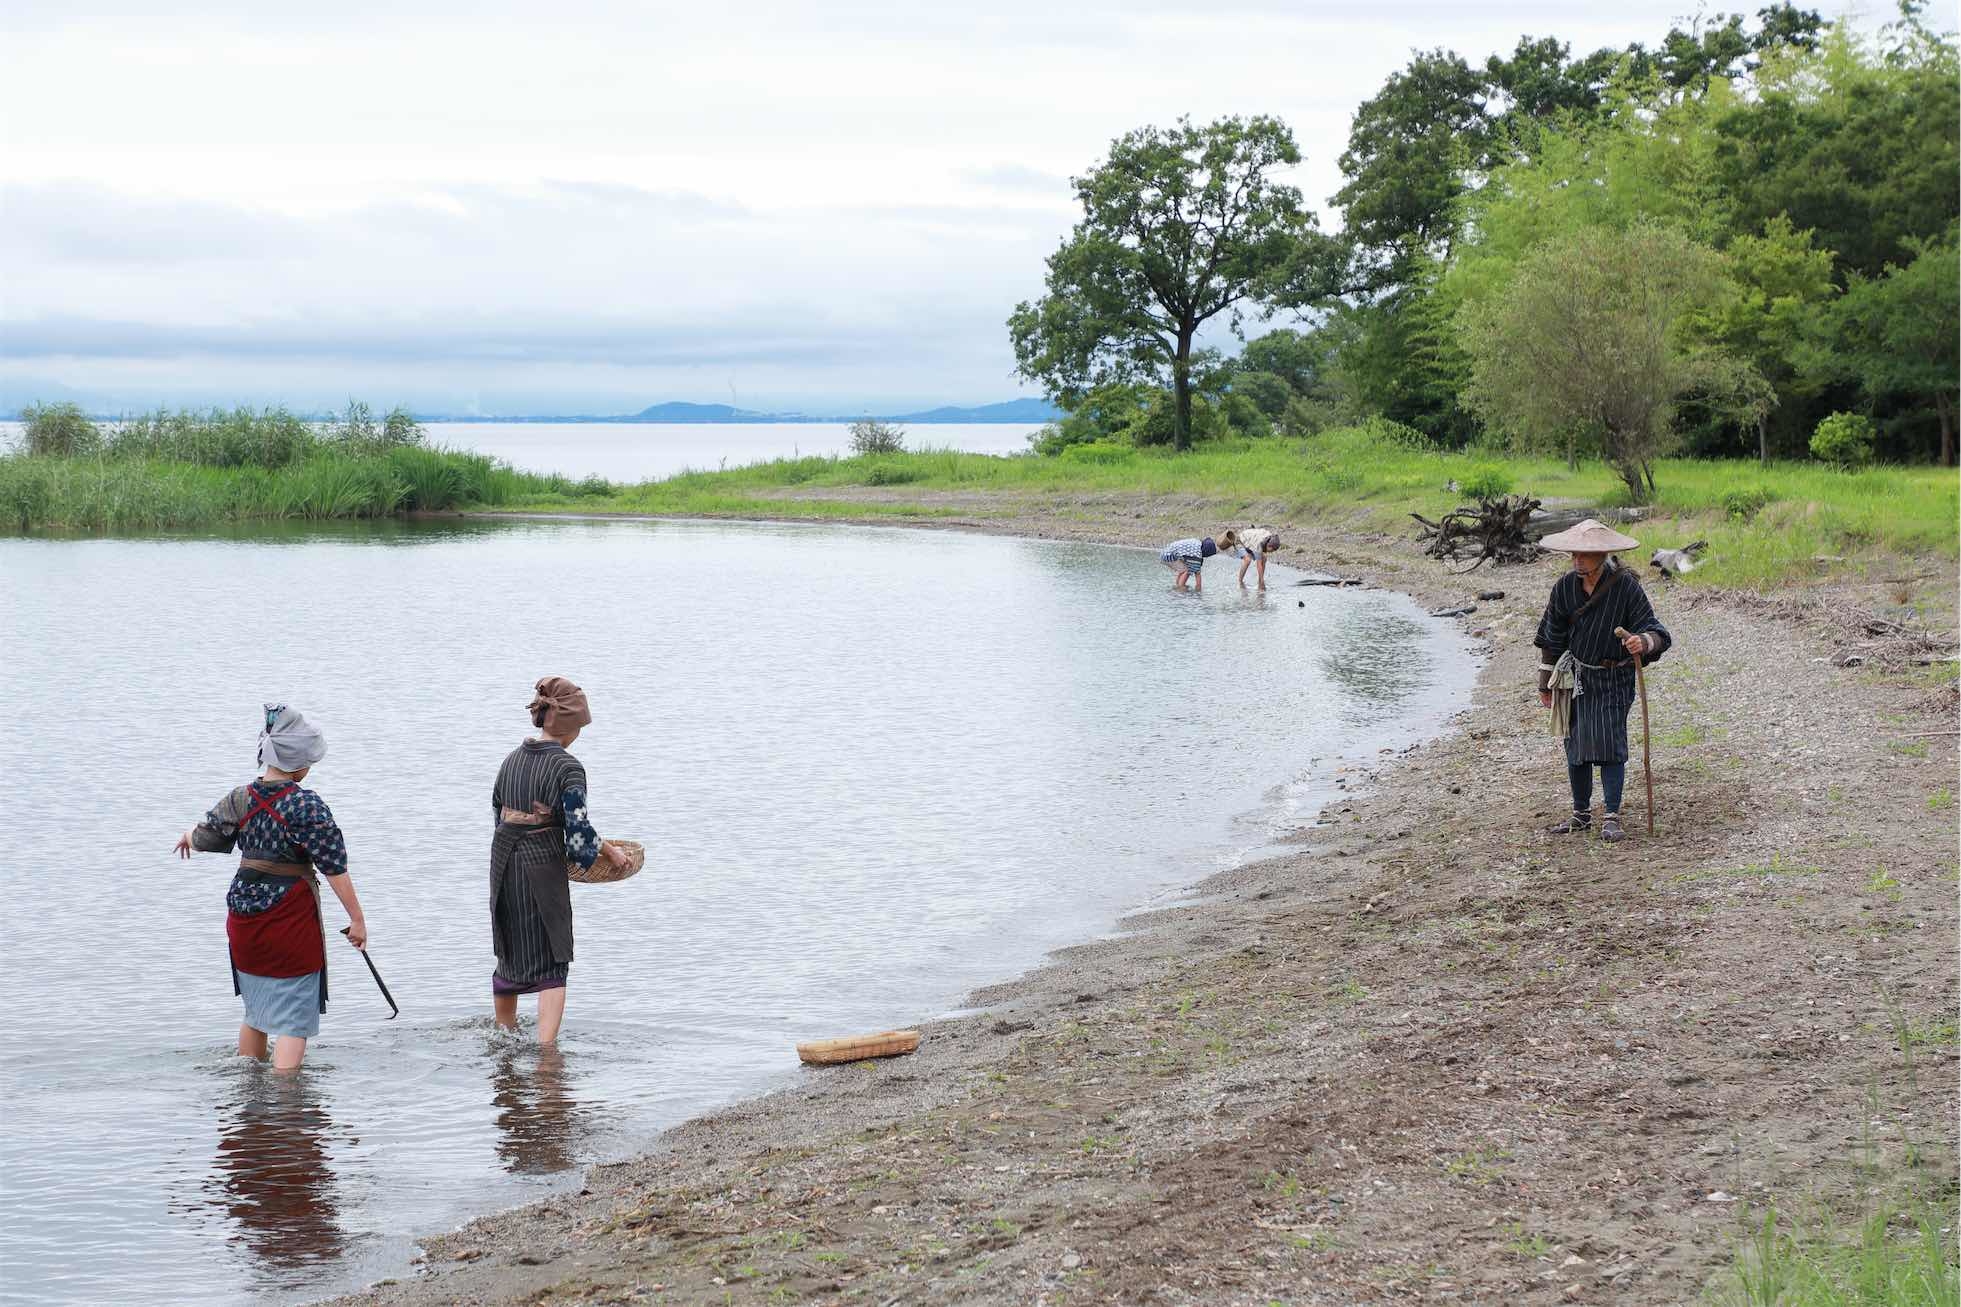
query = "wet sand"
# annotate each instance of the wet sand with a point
(1431, 1055)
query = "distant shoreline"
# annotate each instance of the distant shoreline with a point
(1008, 414)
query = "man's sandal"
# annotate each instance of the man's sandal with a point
(1573, 825)
(1610, 829)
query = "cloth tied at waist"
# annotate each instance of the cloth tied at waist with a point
(1567, 684)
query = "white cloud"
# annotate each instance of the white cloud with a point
(843, 198)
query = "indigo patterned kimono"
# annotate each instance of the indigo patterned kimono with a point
(1576, 639)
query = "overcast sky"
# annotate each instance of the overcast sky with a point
(588, 207)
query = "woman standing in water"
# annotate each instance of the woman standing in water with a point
(1586, 672)
(287, 840)
(540, 803)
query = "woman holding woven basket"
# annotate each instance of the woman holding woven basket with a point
(542, 829)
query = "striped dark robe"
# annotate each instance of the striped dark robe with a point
(1599, 726)
(530, 896)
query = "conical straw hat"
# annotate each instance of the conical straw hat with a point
(1589, 537)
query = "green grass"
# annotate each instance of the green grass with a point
(1348, 477)
(1343, 478)
(1894, 1259)
(107, 494)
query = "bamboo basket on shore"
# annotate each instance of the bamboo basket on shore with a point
(856, 1048)
(602, 871)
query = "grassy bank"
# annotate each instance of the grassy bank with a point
(1763, 523)
(138, 494)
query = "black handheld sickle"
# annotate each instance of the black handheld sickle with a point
(380, 984)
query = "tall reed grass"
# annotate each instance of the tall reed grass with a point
(137, 494)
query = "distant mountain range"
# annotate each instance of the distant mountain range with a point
(1013, 410)
(677, 411)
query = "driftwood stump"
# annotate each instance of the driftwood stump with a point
(1496, 530)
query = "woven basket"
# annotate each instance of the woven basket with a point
(856, 1048)
(603, 872)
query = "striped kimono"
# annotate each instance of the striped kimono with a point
(1576, 637)
(540, 803)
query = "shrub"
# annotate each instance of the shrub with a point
(59, 431)
(1395, 433)
(870, 436)
(1099, 453)
(889, 473)
(1056, 437)
(1487, 481)
(796, 471)
(1844, 439)
(1308, 417)
(1243, 417)
(1744, 502)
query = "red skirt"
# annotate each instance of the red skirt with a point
(281, 942)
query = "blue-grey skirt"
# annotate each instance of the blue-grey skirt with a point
(287, 1006)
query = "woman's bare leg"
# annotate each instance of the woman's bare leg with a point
(505, 1008)
(551, 1014)
(288, 1053)
(1242, 572)
(251, 1043)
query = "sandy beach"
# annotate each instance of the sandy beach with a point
(1430, 1055)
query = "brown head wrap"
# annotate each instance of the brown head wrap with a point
(559, 706)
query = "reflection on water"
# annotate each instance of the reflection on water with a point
(538, 1121)
(273, 1174)
(1376, 659)
(875, 769)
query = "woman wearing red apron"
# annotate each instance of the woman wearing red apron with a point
(286, 839)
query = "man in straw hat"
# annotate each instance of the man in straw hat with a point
(1586, 672)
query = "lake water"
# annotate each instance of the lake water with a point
(873, 768)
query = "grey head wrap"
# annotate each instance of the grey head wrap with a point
(288, 742)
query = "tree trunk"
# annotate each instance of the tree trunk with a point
(1572, 452)
(1945, 409)
(1763, 441)
(1181, 391)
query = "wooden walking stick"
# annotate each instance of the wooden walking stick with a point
(1647, 767)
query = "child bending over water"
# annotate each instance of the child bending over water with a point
(1187, 558)
(1252, 547)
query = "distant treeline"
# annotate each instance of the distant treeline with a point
(1711, 246)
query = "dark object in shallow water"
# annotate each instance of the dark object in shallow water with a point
(1465, 611)
(1322, 578)
(380, 984)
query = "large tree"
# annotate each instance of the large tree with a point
(1897, 335)
(1180, 226)
(1588, 340)
(1440, 125)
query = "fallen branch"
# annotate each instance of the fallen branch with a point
(1495, 530)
